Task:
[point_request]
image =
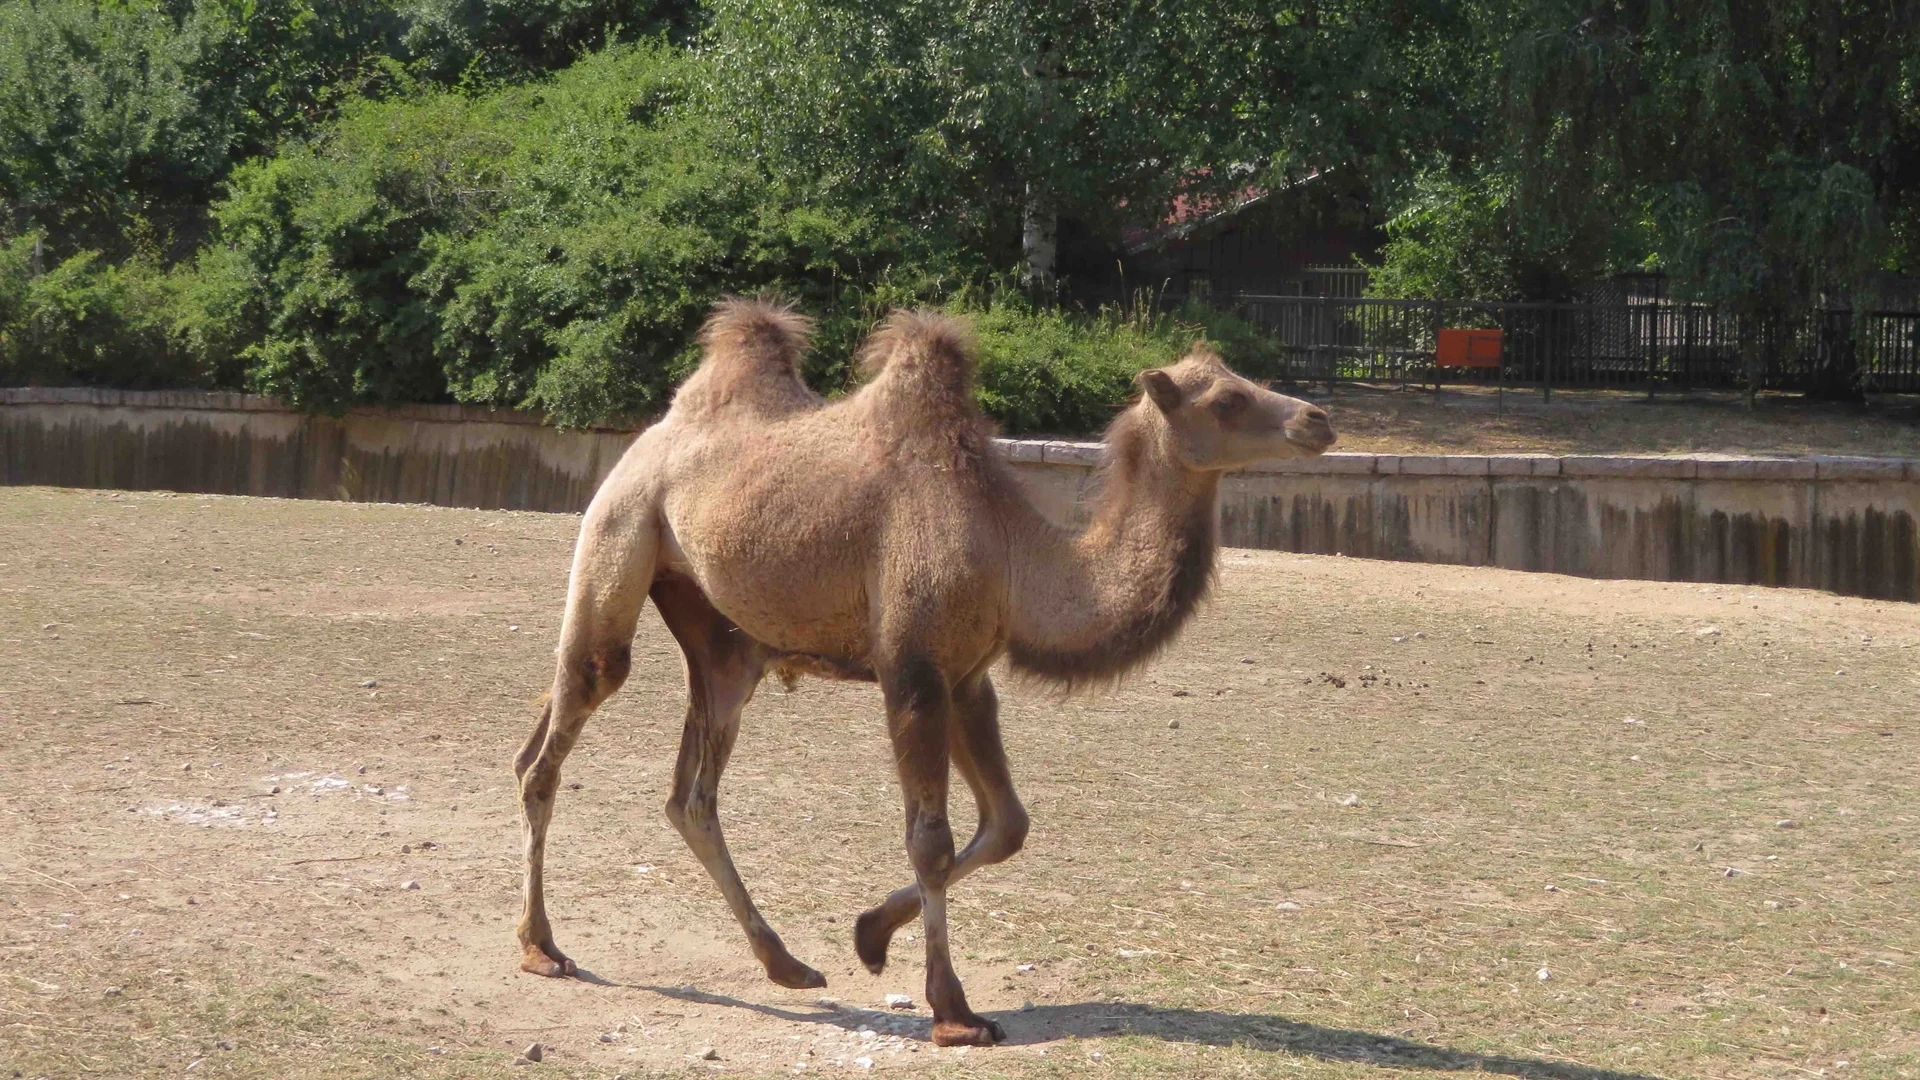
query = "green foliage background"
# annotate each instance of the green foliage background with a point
(532, 202)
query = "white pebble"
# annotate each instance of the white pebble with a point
(1350, 800)
(899, 1001)
(1543, 974)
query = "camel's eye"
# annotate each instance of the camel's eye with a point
(1229, 405)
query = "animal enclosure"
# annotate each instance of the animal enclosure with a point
(258, 792)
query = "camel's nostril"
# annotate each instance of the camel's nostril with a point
(1315, 412)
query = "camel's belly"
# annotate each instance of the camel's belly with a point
(789, 588)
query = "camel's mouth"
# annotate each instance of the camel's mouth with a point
(1313, 434)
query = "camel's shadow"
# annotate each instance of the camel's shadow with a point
(1256, 1031)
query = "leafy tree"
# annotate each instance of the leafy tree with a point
(551, 246)
(980, 123)
(451, 41)
(99, 117)
(1764, 154)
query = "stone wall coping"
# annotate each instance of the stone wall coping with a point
(218, 401)
(1609, 466)
(1089, 454)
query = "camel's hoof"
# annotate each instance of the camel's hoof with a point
(974, 1031)
(870, 938)
(795, 975)
(548, 961)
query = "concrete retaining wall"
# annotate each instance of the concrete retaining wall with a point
(235, 444)
(1843, 524)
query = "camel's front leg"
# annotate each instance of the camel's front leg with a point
(612, 565)
(974, 738)
(919, 710)
(578, 689)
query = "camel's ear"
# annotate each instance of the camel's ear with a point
(1161, 388)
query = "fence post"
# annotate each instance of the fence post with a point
(1435, 311)
(1546, 360)
(1322, 332)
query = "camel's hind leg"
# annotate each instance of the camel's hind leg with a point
(724, 666)
(974, 741)
(612, 567)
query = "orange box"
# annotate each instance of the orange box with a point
(1469, 348)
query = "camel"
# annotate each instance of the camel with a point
(882, 537)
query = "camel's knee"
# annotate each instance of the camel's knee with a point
(1008, 835)
(689, 813)
(930, 849)
(539, 781)
(596, 673)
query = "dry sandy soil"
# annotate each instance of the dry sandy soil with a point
(1468, 420)
(1410, 818)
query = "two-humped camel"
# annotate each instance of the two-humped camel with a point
(882, 537)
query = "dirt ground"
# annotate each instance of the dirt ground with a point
(1364, 819)
(1469, 420)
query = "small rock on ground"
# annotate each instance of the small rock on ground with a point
(534, 1052)
(899, 1001)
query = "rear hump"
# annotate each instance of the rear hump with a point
(925, 350)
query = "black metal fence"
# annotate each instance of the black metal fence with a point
(1648, 346)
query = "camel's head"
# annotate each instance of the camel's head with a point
(1219, 420)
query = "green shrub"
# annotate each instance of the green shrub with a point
(89, 322)
(551, 247)
(1059, 373)
(1066, 373)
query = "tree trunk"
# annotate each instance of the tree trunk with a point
(1039, 235)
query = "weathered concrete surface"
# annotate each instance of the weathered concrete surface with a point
(1842, 524)
(240, 445)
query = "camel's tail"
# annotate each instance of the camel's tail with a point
(757, 335)
(926, 349)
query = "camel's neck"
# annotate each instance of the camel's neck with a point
(1095, 604)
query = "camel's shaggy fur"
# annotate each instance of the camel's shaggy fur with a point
(882, 537)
